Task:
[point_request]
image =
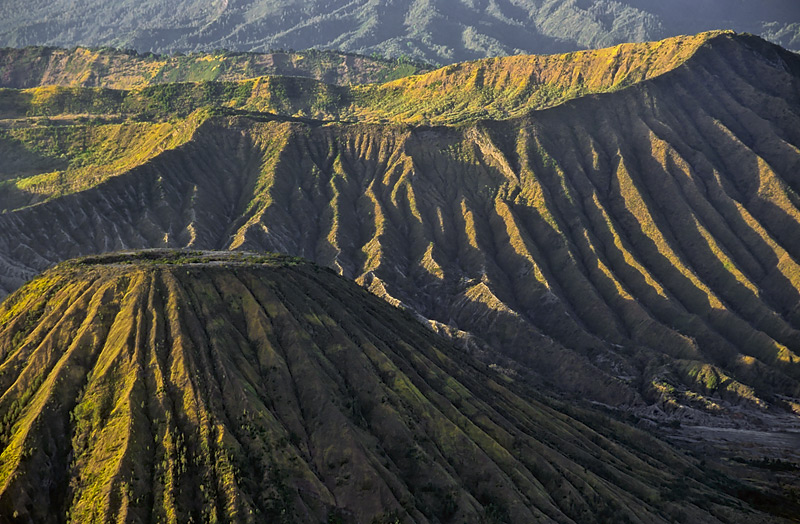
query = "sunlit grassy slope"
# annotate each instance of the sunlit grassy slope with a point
(46, 162)
(492, 88)
(217, 387)
(510, 86)
(42, 66)
(633, 239)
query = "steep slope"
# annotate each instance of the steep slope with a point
(492, 88)
(177, 386)
(43, 162)
(638, 247)
(58, 140)
(440, 31)
(42, 66)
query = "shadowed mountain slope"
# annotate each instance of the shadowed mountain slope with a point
(440, 31)
(638, 247)
(196, 386)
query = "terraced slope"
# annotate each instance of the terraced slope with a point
(41, 66)
(637, 247)
(212, 387)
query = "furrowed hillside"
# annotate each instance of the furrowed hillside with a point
(496, 88)
(633, 239)
(214, 387)
(42, 66)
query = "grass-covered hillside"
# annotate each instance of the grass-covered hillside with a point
(496, 88)
(214, 387)
(104, 67)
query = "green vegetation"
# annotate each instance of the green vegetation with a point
(493, 88)
(113, 69)
(186, 257)
(63, 159)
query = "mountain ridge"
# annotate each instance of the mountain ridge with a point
(431, 30)
(495, 88)
(116, 69)
(636, 247)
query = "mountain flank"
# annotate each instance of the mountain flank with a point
(485, 89)
(622, 229)
(437, 31)
(197, 386)
(109, 68)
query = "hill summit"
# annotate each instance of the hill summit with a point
(198, 386)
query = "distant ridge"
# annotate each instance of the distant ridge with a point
(114, 69)
(497, 88)
(437, 31)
